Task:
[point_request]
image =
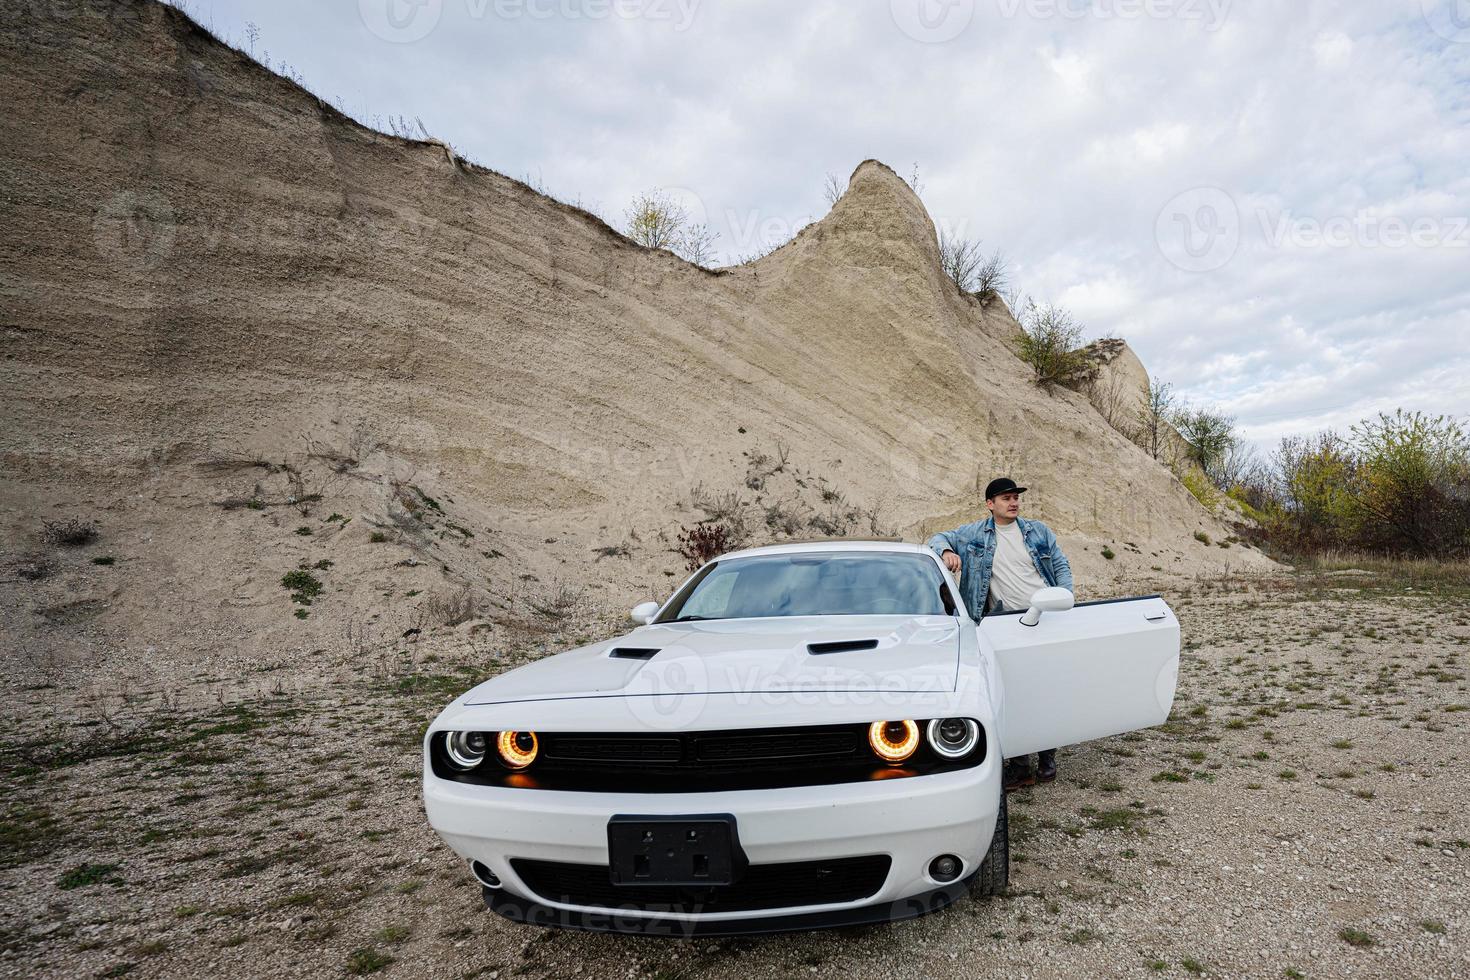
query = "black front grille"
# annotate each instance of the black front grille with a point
(781, 749)
(762, 886)
(771, 749)
(631, 750)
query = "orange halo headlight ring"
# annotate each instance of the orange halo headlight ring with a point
(893, 741)
(517, 750)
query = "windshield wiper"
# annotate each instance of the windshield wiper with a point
(690, 619)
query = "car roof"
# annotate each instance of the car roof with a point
(887, 545)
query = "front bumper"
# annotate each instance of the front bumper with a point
(912, 820)
(534, 913)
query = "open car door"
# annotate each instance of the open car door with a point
(1097, 669)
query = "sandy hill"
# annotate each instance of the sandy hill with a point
(245, 334)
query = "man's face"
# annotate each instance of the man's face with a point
(1006, 505)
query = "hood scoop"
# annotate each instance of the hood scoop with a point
(841, 646)
(632, 653)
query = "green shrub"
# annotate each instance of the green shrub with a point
(1108, 553)
(1051, 345)
(1199, 485)
(1202, 537)
(377, 537)
(88, 874)
(304, 586)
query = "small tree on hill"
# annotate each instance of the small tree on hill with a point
(1210, 436)
(1051, 344)
(833, 189)
(656, 220)
(1152, 431)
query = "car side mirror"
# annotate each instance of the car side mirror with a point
(1047, 600)
(643, 613)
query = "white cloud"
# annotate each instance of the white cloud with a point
(1333, 50)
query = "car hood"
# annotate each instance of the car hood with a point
(745, 656)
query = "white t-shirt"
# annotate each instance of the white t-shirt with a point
(1013, 575)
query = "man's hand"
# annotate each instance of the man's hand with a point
(952, 562)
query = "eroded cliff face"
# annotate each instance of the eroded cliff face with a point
(207, 269)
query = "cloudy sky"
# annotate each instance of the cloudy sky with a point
(1269, 200)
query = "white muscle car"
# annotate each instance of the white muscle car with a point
(804, 735)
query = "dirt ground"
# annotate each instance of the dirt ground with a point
(1304, 813)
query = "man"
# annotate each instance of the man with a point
(1002, 561)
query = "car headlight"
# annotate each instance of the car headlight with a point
(466, 750)
(893, 741)
(517, 749)
(953, 738)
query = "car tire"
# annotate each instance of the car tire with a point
(994, 874)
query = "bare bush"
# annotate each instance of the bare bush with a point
(992, 278)
(453, 608)
(836, 522)
(783, 518)
(724, 506)
(72, 532)
(913, 180)
(703, 544)
(833, 189)
(557, 602)
(1117, 402)
(961, 259)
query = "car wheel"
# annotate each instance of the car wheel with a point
(994, 875)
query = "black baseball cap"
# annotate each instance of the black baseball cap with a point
(1002, 485)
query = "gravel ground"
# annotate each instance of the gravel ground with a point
(1304, 813)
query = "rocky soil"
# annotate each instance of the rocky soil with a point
(1303, 813)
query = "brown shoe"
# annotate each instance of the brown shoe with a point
(1046, 766)
(1018, 774)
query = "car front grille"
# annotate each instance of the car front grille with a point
(705, 750)
(761, 887)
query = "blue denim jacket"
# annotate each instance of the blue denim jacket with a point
(975, 544)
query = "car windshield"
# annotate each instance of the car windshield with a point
(841, 583)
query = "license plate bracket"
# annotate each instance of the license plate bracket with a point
(695, 850)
